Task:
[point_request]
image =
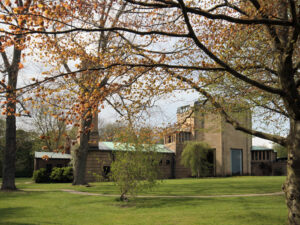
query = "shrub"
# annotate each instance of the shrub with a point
(68, 174)
(41, 176)
(195, 156)
(135, 171)
(59, 175)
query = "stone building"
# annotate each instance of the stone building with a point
(49, 160)
(99, 159)
(264, 162)
(231, 147)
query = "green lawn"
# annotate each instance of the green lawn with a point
(207, 186)
(55, 207)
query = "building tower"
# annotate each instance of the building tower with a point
(232, 148)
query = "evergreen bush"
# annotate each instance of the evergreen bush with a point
(41, 176)
(58, 175)
(61, 175)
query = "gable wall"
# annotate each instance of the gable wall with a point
(234, 139)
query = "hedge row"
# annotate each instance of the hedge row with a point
(57, 175)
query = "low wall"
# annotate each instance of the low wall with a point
(276, 168)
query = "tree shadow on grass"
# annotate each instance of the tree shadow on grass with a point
(161, 202)
(10, 213)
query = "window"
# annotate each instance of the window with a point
(184, 136)
(168, 162)
(256, 156)
(252, 155)
(160, 162)
(268, 155)
(59, 165)
(264, 155)
(259, 155)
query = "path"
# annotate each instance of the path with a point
(155, 196)
(173, 196)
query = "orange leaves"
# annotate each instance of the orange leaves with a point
(21, 66)
(86, 105)
(7, 2)
(43, 137)
(3, 17)
(27, 99)
(45, 157)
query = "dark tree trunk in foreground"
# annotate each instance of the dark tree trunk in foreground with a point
(81, 153)
(292, 184)
(9, 157)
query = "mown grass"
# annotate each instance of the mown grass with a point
(207, 186)
(56, 207)
(64, 208)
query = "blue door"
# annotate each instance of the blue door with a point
(236, 162)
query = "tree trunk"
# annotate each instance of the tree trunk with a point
(123, 197)
(81, 153)
(292, 184)
(8, 171)
(9, 156)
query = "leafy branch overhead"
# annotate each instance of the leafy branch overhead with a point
(233, 53)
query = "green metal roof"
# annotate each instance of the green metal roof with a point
(115, 146)
(260, 148)
(52, 155)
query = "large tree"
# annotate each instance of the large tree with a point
(11, 53)
(228, 51)
(252, 48)
(91, 83)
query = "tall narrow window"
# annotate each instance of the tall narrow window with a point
(263, 155)
(268, 155)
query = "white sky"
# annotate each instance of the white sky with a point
(261, 142)
(162, 114)
(166, 112)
